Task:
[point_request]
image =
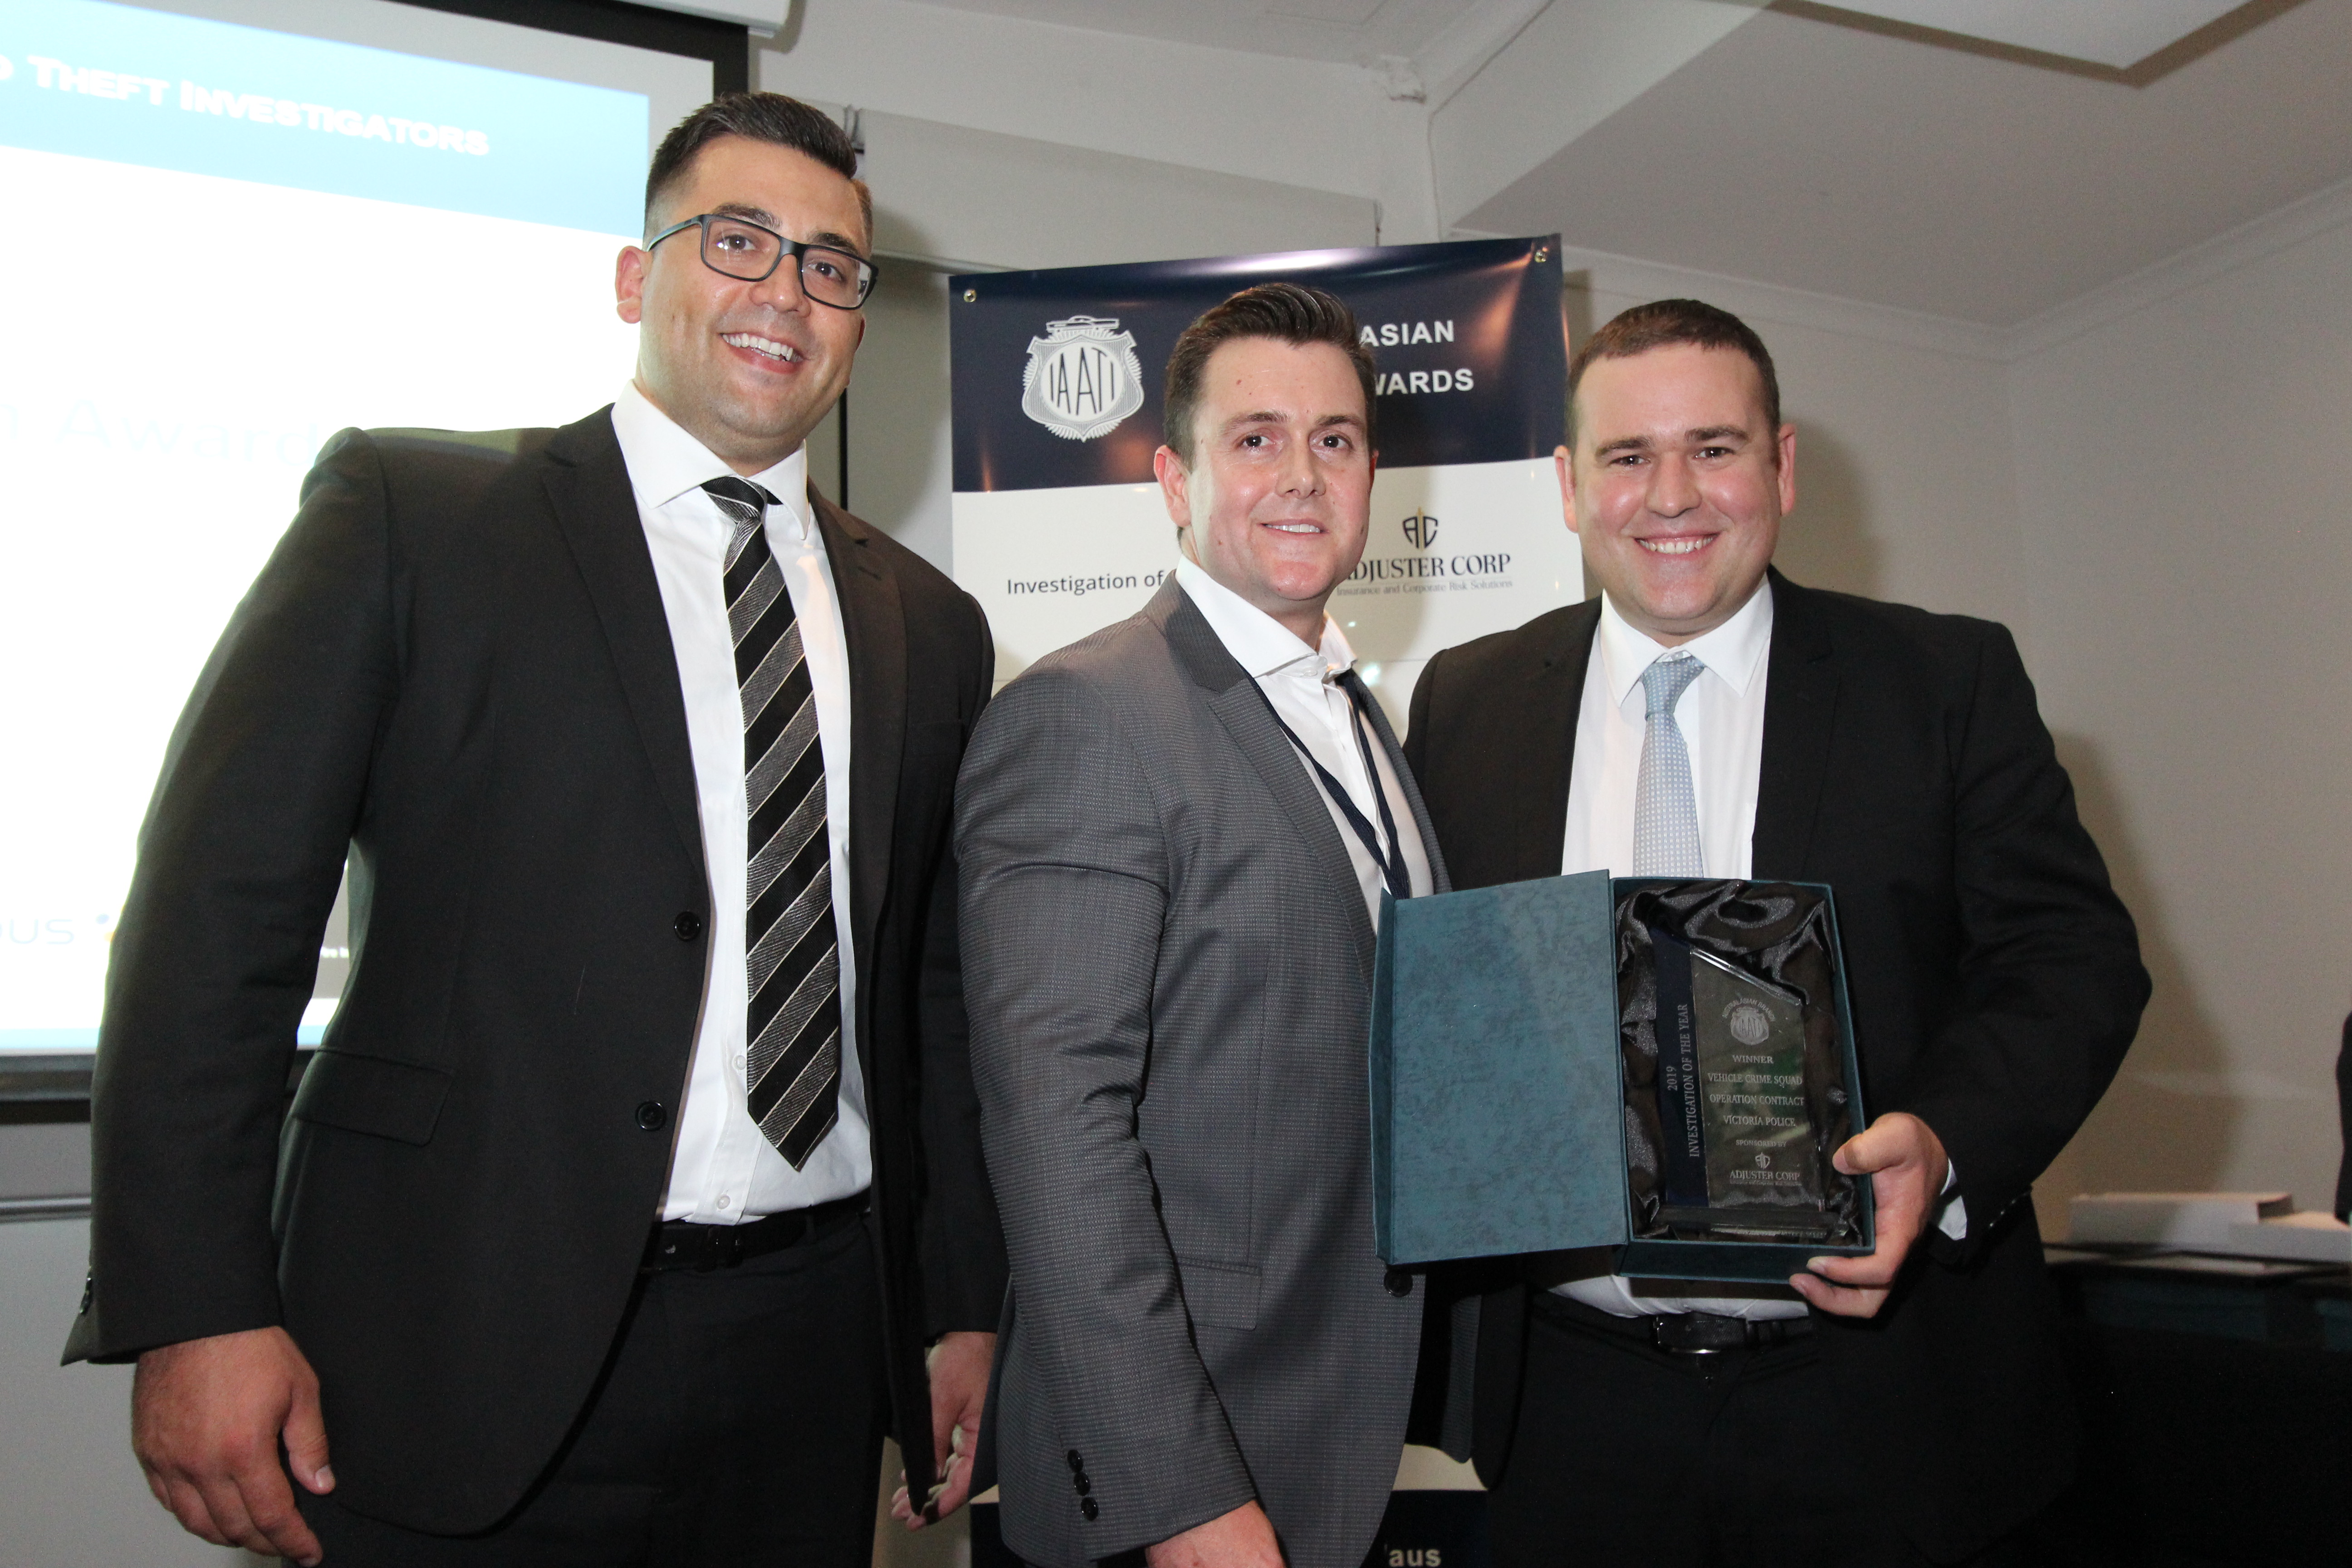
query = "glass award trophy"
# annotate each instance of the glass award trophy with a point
(1742, 1154)
(1661, 1067)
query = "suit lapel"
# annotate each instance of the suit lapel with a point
(1800, 717)
(874, 626)
(587, 485)
(1534, 778)
(1240, 708)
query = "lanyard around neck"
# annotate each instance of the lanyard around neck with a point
(1393, 871)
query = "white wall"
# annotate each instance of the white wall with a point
(2184, 469)
(899, 473)
(983, 199)
(1292, 122)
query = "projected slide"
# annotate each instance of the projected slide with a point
(219, 246)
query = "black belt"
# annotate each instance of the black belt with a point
(682, 1244)
(1677, 1333)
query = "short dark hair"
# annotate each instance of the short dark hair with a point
(1662, 323)
(1295, 313)
(762, 117)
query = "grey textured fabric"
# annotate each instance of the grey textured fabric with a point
(1167, 968)
(1666, 805)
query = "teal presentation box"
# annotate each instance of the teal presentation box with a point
(1498, 1102)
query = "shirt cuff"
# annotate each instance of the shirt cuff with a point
(1954, 1221)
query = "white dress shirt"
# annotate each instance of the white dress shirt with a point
(1303, 684)
(1721, 716)
(723, 1170)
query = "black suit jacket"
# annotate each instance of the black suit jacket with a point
(1995, 983)
(456, 668)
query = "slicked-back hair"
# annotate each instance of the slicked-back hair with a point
(1294, 313)
(1664, 322)
(768, 117)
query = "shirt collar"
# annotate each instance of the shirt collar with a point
(665, 462)
(1260, 644)
(1734, 650)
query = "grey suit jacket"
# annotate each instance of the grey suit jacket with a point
(1168, 967)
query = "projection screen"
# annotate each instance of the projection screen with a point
(231, 228)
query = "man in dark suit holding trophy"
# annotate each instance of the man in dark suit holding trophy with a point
(1706, 717)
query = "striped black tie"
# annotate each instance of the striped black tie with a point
(794, 1065)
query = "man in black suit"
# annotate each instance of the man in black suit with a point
(1707, 716)
(2344, 1121)
(640, 1162)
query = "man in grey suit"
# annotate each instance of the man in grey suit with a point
(1173, 837)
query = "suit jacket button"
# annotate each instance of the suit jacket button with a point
(688, 926)
(1399, 1282)
(652, 1115)
(1084, 1485)
(1086, 1506)
(1077, 1461)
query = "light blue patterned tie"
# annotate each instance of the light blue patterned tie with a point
(1665, 807)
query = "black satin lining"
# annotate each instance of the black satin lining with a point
(1778, 930)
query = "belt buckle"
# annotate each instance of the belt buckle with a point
(1661, 1339)
(726, 1249)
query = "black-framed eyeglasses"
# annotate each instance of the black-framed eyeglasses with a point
(734, 247)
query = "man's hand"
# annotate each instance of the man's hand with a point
(1905, 1164)
(958, 1367)
(1242, 1539)
(206, 1417)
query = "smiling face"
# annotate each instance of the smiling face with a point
(748, 369)
(1277, 498)
(1676, 485)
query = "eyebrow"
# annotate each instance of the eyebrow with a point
(767, 220)
(1702, 435)
(1272, 416)
(747, 212)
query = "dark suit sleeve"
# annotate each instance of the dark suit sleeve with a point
(1066, 881)
(2050, 985)
(962, 1241)
(218, 947)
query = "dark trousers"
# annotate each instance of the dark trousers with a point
(1629, 1454)
(739, 1421)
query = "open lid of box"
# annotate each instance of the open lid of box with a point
(1520, 980)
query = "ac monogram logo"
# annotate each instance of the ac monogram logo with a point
(1420, 531)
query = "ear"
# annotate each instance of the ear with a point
(1175, 486)
(1563, 462)
(1787, 454)
(629, 284)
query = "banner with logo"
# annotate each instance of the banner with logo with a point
(1057, 376)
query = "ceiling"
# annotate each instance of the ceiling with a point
(1341, 32)
(2117, 33)
(1877, 160)
(1873, 167)
(2113, 33)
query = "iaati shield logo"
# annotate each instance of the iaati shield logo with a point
(1083, 377)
